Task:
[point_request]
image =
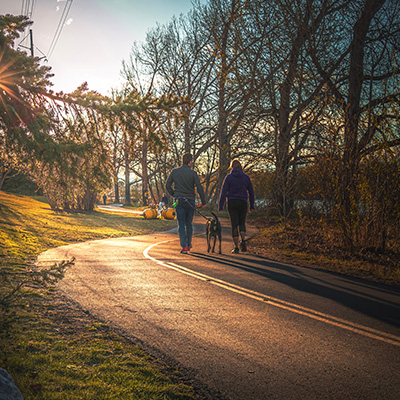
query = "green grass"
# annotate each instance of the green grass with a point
(28, 226)
(64, 354)
(53, 349)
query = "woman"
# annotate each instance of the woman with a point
(238, 189)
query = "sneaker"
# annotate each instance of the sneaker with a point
(235, 250)
(243, 246)
(185, 250)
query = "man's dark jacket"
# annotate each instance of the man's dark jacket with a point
(185, 180)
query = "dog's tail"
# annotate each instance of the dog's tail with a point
(214, 215)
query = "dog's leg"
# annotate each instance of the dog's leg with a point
(219, 239)
(214, 240)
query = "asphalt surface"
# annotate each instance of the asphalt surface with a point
(240, 326)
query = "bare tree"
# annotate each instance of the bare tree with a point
(237, 40)
(293, 84)
(365, 88)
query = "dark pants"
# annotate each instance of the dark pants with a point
(184, 215)
(237, 210)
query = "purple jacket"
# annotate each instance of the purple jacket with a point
(237, 185)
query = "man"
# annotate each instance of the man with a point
(185, 181)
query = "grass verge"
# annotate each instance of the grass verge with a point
(53, 349)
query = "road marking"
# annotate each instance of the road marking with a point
(308, 312)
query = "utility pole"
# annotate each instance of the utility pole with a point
(31, 47)
(31, 44)
(31, 36)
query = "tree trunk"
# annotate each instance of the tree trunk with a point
(281, 190)
(222, 133)
(351, 154)
(127, 173)
(116, 190)
(143, 161)
(186, 113)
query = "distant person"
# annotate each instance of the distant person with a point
(238, 190)
(162, 204)
(164, 199)
(181, 185)
(104, 199)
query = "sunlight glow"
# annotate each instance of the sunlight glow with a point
(9, 79)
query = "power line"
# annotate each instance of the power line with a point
(27, 8)
(60, 27)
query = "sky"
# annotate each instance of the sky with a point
(95, 37)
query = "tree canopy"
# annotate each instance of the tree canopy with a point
(291, 88)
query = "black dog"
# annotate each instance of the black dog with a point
(213, 231)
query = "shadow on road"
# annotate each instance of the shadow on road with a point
(355, 294)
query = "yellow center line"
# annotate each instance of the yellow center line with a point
(308, 312)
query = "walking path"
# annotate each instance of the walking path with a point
(240, 326)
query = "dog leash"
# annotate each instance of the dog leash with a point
(194, 208)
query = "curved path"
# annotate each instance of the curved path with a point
(242, 327)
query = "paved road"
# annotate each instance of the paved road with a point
(243, 327)
(118, 208)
